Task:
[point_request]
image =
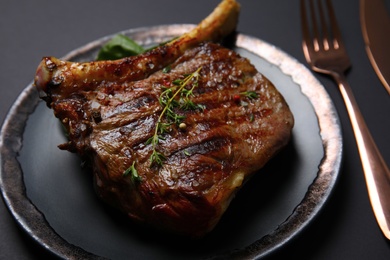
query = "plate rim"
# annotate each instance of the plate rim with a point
(13, 189)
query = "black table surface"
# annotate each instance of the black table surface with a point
(344, 229)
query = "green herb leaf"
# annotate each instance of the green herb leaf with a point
(153, 140)
(157, 158)
(134, 173)
(177, 82)
(250, 94)
(167, 69)
(118, 47)
(251, 117)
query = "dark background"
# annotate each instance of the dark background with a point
(344, 229)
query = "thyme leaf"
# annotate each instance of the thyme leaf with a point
(167, 69)
(157, 158)
(133, 173)
(250, 94)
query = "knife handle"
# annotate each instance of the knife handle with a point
(377, 174)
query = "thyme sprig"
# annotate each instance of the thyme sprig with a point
(168, 100)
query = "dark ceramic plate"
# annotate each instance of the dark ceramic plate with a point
(51, 196)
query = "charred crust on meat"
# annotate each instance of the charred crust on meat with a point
(50, 65)
(56, 81)
(208, 151)
(111, 108)
(97, 117)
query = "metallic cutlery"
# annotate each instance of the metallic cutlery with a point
(326, 54)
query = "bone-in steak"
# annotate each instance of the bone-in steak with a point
(172, 143)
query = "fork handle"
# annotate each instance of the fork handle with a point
(376, 172)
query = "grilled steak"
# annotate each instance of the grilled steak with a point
(171, 135)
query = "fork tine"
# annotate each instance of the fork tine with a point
(307, 42)
(324, 27)
(337, 39)
(316, 34)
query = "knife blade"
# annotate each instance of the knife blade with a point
(375, 24)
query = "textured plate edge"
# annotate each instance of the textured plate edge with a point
(27, 216)
(318, 191)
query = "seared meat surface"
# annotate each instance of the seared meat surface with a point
(169, 147)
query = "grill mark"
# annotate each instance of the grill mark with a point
(131, 134)
(135, 119)
(211, 70)
(199, 124)
(205, 154)
(138, 104)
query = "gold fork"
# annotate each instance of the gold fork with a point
(325, 52)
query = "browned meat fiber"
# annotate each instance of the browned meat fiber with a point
(171, 148)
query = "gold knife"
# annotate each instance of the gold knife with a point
(375, 23)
